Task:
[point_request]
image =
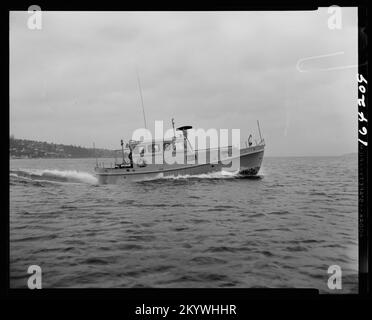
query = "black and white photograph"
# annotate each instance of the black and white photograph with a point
(184, 149)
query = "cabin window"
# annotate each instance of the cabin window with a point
(167, 146)
(139, 149)
(153, 148)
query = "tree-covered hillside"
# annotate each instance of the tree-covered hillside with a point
(20, 148)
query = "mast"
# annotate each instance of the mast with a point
(122, 149)
(185, 140)
(174, 131)
(143, 108)
(259, 131)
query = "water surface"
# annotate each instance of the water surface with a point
(283, 229)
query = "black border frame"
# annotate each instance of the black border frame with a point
(171, 296)
(364, 221)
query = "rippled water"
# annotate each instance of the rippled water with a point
(283, 229)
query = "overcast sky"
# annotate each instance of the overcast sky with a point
(74, 81)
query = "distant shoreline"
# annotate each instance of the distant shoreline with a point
(81, 158)
(326, 156)
(30, 149)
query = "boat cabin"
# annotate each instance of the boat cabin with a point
(149, 151)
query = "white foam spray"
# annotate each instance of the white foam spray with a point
(56, 175)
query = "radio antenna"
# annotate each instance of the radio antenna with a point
(140, 90)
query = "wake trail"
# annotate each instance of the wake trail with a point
(55, 175)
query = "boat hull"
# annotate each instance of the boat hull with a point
(247, 163)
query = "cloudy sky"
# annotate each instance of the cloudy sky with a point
(74, 81)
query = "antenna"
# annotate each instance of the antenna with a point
(143, 108)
